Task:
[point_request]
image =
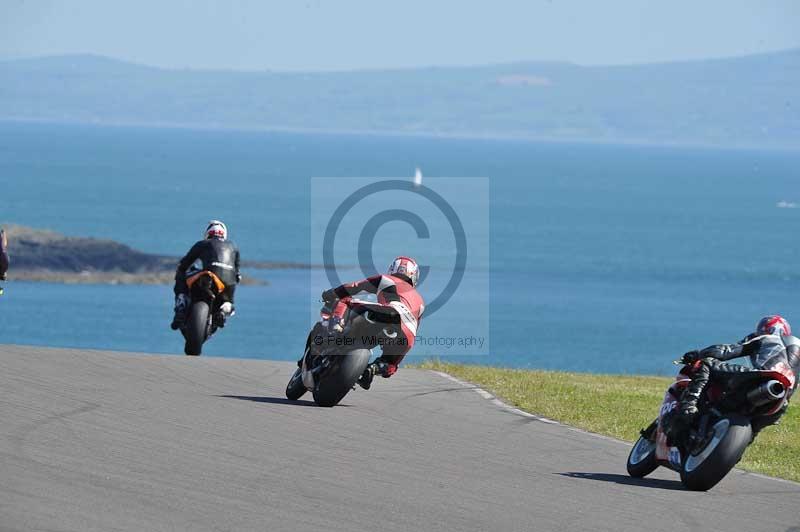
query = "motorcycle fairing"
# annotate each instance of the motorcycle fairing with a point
(670, 402)
(307, 376)
(216, 280)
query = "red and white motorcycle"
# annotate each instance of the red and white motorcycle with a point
(332, 364)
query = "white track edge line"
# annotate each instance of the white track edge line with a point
(514, 410)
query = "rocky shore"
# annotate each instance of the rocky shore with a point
(47, 256)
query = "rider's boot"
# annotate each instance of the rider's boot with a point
(691, 395)
(679, 420)
(379, 367)
(365, 380)
(181, 302)
(225, 311)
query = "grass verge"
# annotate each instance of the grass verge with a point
(619, 406)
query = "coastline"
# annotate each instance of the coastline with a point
(491, 136)
(43, 255)
(108, 277)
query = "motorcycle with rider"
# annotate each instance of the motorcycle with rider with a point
(338, 348)
(715, 409)
(205, 284)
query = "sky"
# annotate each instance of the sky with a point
(357, 34)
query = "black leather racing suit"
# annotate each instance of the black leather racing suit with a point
(218, 256)
(765, 352)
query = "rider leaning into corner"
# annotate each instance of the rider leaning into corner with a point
(770, 346)
(217, 255)
(3, 255)
(396, 293)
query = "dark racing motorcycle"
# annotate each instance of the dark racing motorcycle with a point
(204, 290)
(720, 433)
(332, 363)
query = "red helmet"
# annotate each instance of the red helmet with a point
(774, 325)
(407, 267)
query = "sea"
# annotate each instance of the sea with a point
(593, 257)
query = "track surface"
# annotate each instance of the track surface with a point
(95, 441)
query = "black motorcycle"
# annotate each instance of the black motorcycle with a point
(332, 363)
(719, 436)
(204, 291)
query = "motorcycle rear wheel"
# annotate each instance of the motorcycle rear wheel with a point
(196, 328)
(335, 384)
(729, 437)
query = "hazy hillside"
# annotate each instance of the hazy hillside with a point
(743, 101)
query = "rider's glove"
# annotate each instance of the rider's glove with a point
(329, 295)
(691, 357)
(336, 324)
(3, 276)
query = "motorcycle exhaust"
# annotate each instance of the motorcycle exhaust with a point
(766, 393)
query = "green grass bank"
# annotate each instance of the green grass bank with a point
(619, 406)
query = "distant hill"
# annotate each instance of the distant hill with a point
(752, 100)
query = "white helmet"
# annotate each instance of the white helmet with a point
(216, 229)
(407, 267)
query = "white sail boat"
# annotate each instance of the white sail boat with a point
(418, 178)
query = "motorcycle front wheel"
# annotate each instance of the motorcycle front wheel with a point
(295, 389)
(642, 458)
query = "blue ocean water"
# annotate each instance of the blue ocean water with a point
(602, 258)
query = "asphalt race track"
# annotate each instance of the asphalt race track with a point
(96, 441)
